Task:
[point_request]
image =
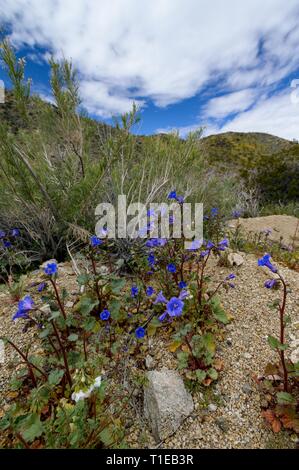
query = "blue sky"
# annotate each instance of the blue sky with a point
(227, 66)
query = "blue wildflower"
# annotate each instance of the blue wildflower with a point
(182, 285)
(2, 234)
(163, 316)
(236, 214)
(41, 286)
(204, 253)
(195, 245)
(172, 195)
(134, 291)
(160, 299)
(161, 241)
(51, 269)
(210, 245)
(95, 241)
(105, 315)
(6, 244)
(150, 243)
(265, 261)
(153, 242)
(171, 267)
(140, 332)
(151, 213)
(15, 232)
(180, 199)
(214, 211)
(230, 276)
(223, 244)
(20, 314)
(175, 307)
(270, 283)
(149, 291)
(24, 306)
(183, 294)
(151, 259)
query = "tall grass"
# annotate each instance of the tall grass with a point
(58, 164)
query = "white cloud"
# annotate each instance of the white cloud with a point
(163, 50)
(230, 103)
(278, 115)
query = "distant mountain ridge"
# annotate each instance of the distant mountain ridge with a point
(270, 162)
(242, 147)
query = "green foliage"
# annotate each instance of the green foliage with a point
(272, 161)
(56, 165)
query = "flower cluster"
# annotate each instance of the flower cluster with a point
(6, 237)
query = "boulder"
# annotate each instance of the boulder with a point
(235, 259)
(166, 402)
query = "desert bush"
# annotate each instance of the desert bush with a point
(58, 164)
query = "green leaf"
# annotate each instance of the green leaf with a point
(218, 311)
(33, 427)
(44, 333)
(106, 437)
(54, 315)
(86, 305)
(83, 279)
(73, 337)
(183, 358)
(117, 285)
(114, 307)
(275, 344)
(209, 343)
(285, 398)
(200, 374)
(55, 376)
(213, 373)
(89, 324)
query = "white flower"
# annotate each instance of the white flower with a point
(76, 396)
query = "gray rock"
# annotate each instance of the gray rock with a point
(212, 407)
(149, 362)
(247, 389)
(166, 402)
(223, 424)
(247, 356)
(234, 259)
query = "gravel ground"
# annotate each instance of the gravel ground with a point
(227, 415)
(235, 419)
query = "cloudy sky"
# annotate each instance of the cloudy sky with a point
(222, 64)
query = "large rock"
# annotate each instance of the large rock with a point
(280, 228)
(166, 402)
(235, 259)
